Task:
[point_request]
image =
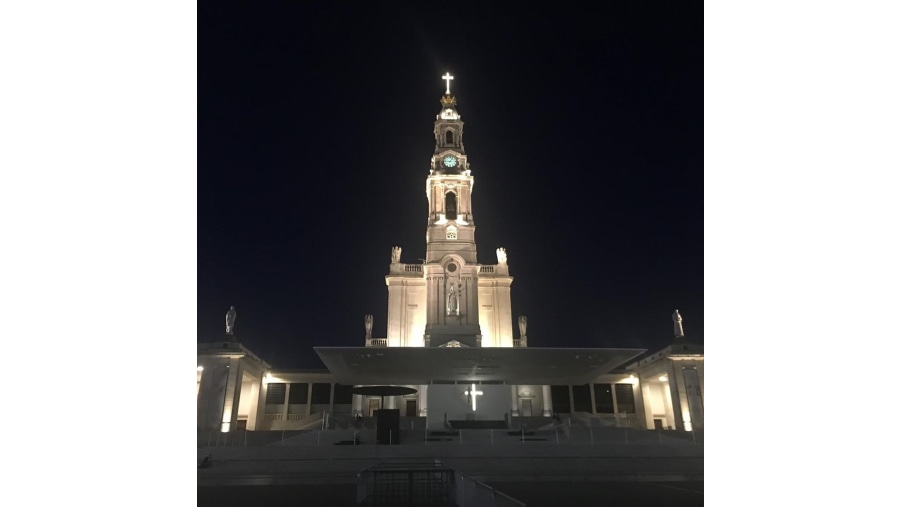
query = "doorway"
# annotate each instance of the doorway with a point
(526, 408)
(657, 424)
(374, 404)
(411, 408)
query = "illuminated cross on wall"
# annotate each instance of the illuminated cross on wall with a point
(447, 77)
(472, 393)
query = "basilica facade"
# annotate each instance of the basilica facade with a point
(450, 341)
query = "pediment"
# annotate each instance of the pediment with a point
(453, 343)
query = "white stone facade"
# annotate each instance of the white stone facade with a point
(672, 387)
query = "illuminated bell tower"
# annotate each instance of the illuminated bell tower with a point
(451, 266)
(450, 300)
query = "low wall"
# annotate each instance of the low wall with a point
(313, 457)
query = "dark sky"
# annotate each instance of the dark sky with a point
(584, 130)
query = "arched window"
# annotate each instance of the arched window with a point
(449, 137)
(452, 232)
(450, 206)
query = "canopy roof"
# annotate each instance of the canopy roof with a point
(439, 365)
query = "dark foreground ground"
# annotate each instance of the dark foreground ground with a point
(534, 494)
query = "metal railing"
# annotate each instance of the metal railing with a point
(366, 437)
(426, 483)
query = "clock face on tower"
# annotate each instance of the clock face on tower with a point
(449, 161)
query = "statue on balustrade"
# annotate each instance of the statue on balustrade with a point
(230, 317)
(368, 326)
(501, 255)
(679, 329)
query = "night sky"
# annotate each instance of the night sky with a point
(583, 127)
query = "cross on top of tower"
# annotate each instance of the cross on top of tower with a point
(447, 77)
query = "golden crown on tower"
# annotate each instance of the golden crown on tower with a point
(448, 100)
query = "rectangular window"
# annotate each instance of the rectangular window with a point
(299, 393)
(581, 396)
(603, 398)
(275, 394)
(321, 394)
(625, 398)
(559, 395)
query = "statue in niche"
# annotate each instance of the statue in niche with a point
(501, 255)
(368, 326)
(395, 255)
(676, 318)
(230, 317)
(452, 300)
(523, 324)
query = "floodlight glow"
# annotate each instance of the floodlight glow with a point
(199, 368)
(664, 378)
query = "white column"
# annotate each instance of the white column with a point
(514, 391)
(232, 395)
(357, 404)
(639, 409)
(331, 398)
(261, 403)
(309, 397)
(667, 400)
(614, 398)
(648, 408)
(255, 387)
(285, 410)
(593, 400)
(548, 402)
(676, 396)
(423, 400)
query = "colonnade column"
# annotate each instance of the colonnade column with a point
(423, 400)
(357, 404)
(593, 399)
(548, 402)
(261, 401)
(676, 396)
(515, 400)
(615, 401)
(331, 398)
(287, 401)
(232, 395)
